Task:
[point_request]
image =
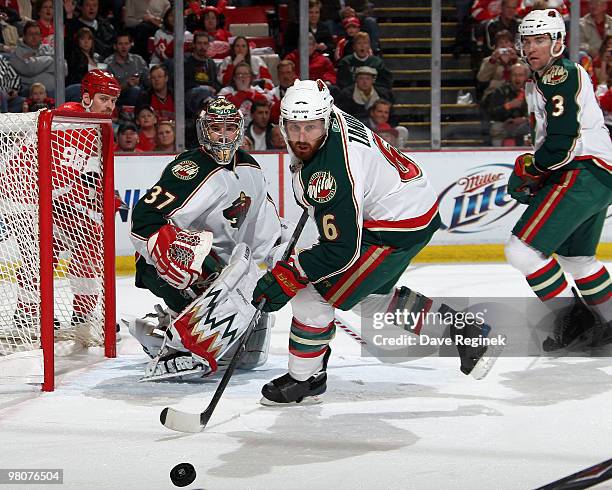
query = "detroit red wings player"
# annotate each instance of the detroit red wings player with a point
(76, 182)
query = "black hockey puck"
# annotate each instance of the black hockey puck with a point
(183, 474)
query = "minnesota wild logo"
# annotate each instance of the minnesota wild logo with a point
(321, 187)
(556, 75)
(237, 212)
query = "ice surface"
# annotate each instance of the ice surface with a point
(415, 425)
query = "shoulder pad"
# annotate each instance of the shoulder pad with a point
(242, 157)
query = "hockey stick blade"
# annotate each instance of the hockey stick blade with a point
(181, 421)
(187, 422)
(583, 479)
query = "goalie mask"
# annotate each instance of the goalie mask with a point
(220, 128)
(538, 22)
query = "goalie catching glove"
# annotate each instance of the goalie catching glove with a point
(279, 285)
(178, 255)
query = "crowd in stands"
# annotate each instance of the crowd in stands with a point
(134, 40)
(487, 30)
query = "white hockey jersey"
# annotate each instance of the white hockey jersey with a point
(567, 122)
(359, 188)
(197, 194)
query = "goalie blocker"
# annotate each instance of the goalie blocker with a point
(207, 331)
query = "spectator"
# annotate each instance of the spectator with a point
(160, 95)
(43, 11)
(362, 57)
(495, 69)
(146, 121)
(276, 137)
(38, 99)
(388, 133)
(163, 40)
(127, 138)
(9, 11)
(210, 17)
(200, 74)
(10, 83)
(603, 61)
(507, 109)
(80, 61)
(103, 30)
(319, 65)
(594, 27)
(260, 128)
(34, 61)
(318, 29)
(286, 77)
(166, 137)
(333, 13)
(507, 21)
(142, 19)
(241, 93)
(240, 52)
(357, 99)
(380, 116)
(8, 35)
(129, 69)
(344, 47)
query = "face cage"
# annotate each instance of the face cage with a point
(223, 150)
(553, 37)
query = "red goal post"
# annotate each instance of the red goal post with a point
(57, 253)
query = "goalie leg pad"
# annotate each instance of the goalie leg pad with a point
(258, 345)
(216, 320)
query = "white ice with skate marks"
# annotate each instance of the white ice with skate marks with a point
(418, 425)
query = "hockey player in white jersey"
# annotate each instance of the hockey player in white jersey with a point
(375, 210)
(210, 208)
(567, 186)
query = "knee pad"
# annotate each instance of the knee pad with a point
(524, 258)
(311, 309)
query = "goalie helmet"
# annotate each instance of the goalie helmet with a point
(306, 100)
(100, 82)
(220, 128)
(538, 22)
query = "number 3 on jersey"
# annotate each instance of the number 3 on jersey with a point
(406, 168)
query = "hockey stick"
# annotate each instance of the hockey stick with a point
(190, 422)
(583, 479)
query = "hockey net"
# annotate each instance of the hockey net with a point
(56, 240)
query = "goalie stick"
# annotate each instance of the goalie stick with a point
(196, 422)
(583, 479)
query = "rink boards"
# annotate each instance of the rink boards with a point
(477, 213)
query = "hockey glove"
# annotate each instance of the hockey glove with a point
(526, 170)
(518, 190)
(279, 285)
(178, 254)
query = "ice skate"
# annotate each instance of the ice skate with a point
(476, 360)
(575, 327)
(288, 391)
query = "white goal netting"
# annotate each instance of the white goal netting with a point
(77, 238)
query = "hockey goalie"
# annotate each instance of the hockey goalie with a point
(203, 233)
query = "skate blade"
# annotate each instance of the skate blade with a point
(486, 362)
(309, 400)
